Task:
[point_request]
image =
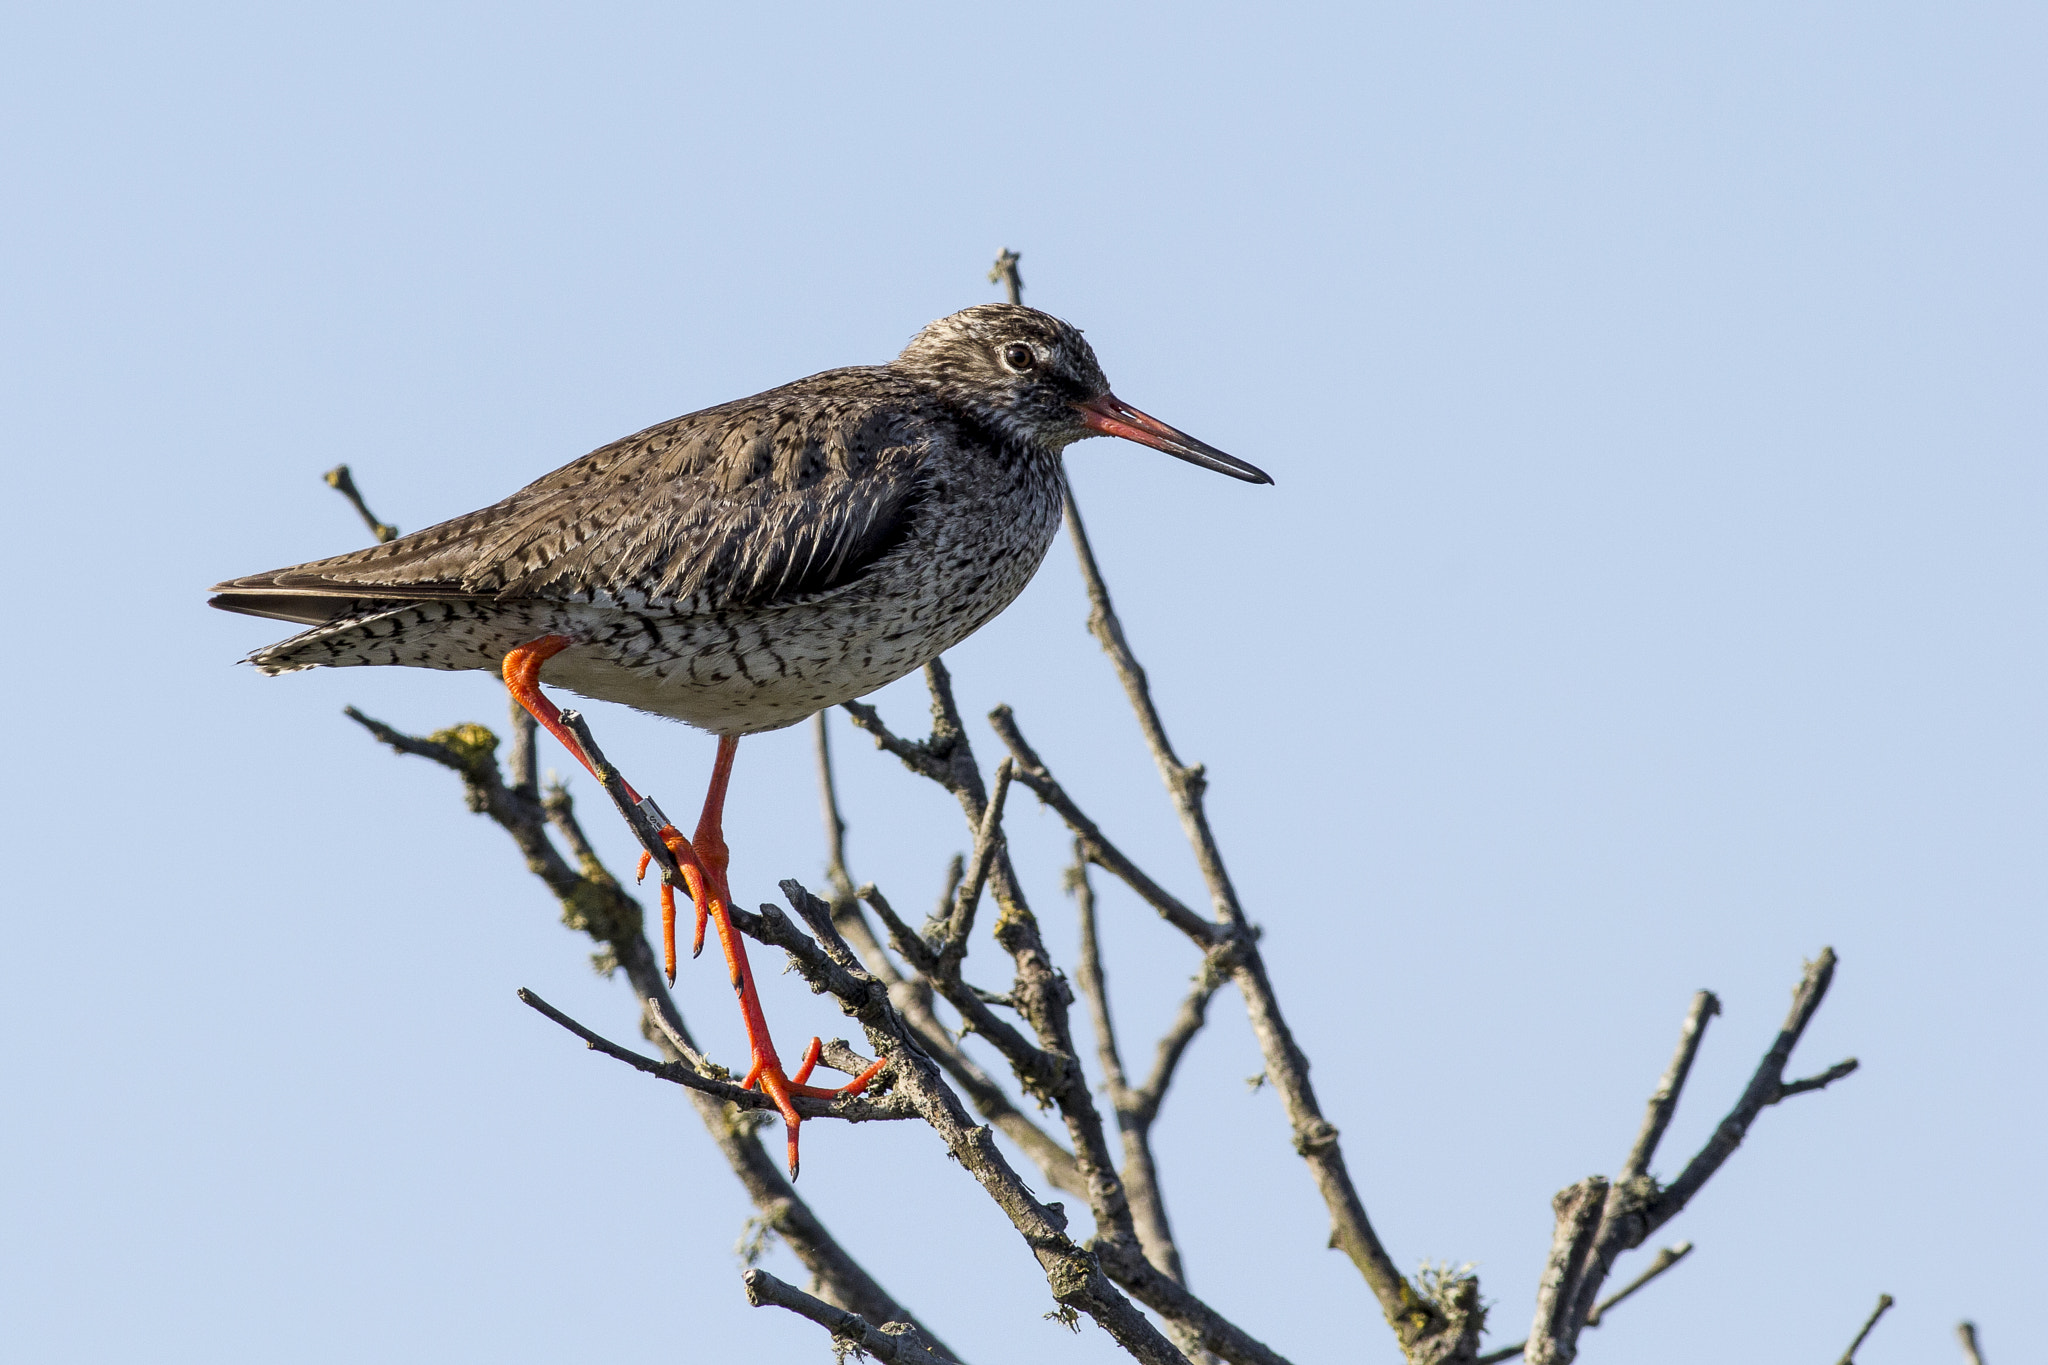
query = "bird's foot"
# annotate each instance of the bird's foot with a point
(767, 1074)
(704, 885)
(705, 881)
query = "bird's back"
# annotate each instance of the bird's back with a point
(778, 494)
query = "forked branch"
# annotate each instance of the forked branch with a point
(1598, 1220)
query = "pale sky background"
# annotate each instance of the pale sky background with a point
(1651, 595)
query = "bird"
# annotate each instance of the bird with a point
(743, 567)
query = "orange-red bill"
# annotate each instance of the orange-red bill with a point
(1109, 415)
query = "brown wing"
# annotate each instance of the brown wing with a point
(794, 491)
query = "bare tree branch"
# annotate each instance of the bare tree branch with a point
(522, 768)
(593, 902)
(890, 982)
(1820, 1082)
(1884, 1301)
(1765, 1088)
(913, 1000)
(1140, 1171)
(1185, 783)
(1205, 1329)
(897, 1342)
(1074, 1275)
(342, 482)
(1428, 1330)
(1597, 1221)
(1578, 1208)
(828, 800)
(1966, 1332)
(912, 995)
(947, 759)
(1041, 996)
(1665, 1259)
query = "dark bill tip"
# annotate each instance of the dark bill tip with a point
(1111, 416)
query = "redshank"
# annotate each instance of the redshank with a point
(743, 567)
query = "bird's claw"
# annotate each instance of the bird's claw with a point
(699, 884)
(767, 1075)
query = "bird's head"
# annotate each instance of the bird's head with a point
(1036, 379)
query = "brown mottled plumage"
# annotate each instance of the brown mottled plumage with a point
(744, 566)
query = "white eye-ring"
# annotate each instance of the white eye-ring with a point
(1019, 358)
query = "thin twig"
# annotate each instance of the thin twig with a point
(1185, 782)
(1005, 274)
(342, 482)
(852, 1109)
(1216, 968)
(1966, 1332)
(1884, 1301)
(818, 915)
(1095, 846)
(1665, 1259)
(961, 923)
(828, 798)
(1140, 1169)
(1664, 1100)
(1093, 982)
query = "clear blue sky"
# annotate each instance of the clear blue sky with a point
(1651, 594)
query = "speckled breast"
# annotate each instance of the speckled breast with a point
(744, 670)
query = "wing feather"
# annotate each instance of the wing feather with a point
(795, 491)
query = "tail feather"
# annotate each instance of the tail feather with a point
(456, 637)
(307, 609)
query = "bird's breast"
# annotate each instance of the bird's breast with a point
(977, 539)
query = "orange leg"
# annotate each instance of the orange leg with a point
(703, 862)
(522, 680)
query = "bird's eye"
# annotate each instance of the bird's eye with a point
(1019, 357)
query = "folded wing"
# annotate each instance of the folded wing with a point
(742, 504)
